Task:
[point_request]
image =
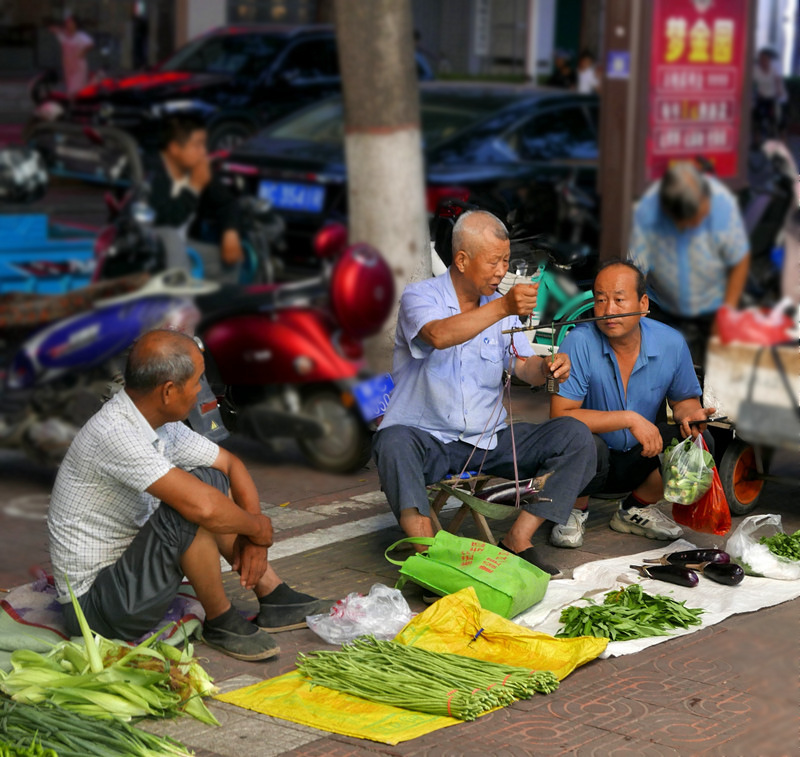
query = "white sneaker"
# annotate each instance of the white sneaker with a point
(645, 521)
(570, 535)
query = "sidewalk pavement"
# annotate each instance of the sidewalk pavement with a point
(729, 690)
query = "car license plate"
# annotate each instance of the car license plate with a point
(288, 196)
(372, 396)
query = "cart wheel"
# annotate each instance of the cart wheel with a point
(739, 476)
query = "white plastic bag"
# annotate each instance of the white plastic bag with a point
(755, 558)
(383, 613)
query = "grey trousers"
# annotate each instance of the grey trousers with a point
(409, 459)
(130, 597)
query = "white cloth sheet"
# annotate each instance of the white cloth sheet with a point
(596, 578)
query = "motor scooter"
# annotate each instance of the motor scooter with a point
(287, 360)
(60, 356)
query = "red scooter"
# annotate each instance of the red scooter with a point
(286, 360)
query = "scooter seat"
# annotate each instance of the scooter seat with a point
(23, 312)
(569, 254)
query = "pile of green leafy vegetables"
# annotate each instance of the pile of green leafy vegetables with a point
(783, 545)
(628, 613)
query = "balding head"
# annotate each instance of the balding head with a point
(683, 191)
(160, 356)
(472, 227)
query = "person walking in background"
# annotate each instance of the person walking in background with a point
(769, 96)
(140, 30)
(689, 241)
(563, 75)
(588, 80)
(75, 44)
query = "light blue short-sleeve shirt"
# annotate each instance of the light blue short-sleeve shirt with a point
(662, 370)
(687, 271)
(453, 393)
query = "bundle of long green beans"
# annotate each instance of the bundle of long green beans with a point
(105, 679)
(416, 679)
(48, 731)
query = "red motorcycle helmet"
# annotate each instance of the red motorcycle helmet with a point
(361, 290)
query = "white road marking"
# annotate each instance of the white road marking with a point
(28, 507)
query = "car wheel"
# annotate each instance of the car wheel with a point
(739, 476)
(228, 135)
(346, 445)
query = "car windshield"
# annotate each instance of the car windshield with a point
(241, 54)
(441, 119)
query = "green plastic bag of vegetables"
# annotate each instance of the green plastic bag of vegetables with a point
(687, 470)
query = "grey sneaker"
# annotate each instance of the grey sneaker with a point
(570, 535)
(645, 521)
(241, 644)
(276, 618)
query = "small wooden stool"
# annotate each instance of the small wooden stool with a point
(439, 496)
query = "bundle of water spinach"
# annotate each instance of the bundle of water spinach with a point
(437, 683)
(628, 613)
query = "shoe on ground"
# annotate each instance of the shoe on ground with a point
(529, 555)
(570, 535)
(247, 642)
(645, 521)
(275, 618)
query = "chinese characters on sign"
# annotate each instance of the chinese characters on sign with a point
(696, 83)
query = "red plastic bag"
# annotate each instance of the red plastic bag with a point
(710, 514)
(753, 326)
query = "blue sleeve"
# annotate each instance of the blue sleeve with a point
(576, 387)
(418, 306)
(684, 382)
(641, 232)
(733, 237)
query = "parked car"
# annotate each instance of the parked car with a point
(238, 78)
(508, 148)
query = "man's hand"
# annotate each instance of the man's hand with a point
(200, 175)
(249, 561)
(264, 536)
(231, 247)
(557, 365)
(701, 415)
(648, 435)
(521, 299)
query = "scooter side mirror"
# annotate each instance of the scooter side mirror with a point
(330, 241)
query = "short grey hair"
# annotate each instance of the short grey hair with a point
(465, 233)
(146, 369)
(682, 191)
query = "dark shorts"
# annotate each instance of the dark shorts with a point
(131, 597)
(619, 472)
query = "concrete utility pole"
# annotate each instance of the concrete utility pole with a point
(383, 146)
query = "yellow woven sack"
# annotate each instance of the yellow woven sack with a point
(449, 625)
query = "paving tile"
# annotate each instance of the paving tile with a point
(284, 518)
(648, 686)
(343, 507)
(599, 709)
(617, 745)
(684, 731)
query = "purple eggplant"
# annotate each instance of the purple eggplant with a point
(729, 574)
(693, 557)
(673, 574)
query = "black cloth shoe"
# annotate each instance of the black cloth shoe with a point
(239, 638)
(277, 617)
(529, 555)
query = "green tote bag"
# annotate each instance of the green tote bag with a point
(505, 584)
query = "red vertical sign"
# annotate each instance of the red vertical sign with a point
(696, 83)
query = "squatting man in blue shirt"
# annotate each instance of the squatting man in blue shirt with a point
(622, 371)
(449, 358)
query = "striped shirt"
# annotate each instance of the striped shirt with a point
(99, 501)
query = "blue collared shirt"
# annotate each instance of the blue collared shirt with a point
(453, 393)
(662, 370)
(687, 271)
